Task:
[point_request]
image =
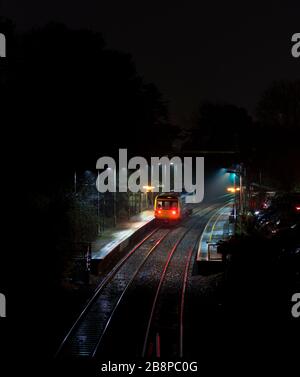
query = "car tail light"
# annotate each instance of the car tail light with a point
(159, 211)
(174, 212)
(297, 208)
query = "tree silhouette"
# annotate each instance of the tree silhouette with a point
(280, 105)
(220, 127)
(69, 100)
(278, 152)
(78, 100)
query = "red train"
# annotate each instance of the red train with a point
(171, 207)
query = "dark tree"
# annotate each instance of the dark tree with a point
(220, 127)
(280, 105)
(278, 130)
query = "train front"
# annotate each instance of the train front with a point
(167, 207)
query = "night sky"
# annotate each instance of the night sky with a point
(221, 51)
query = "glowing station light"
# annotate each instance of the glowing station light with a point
(232, 189)
(148, 188)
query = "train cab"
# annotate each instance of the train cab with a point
(169, 207)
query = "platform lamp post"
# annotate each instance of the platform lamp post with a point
(233, 190)
(238, 172)
(75, 182)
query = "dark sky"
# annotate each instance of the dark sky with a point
(193, 50)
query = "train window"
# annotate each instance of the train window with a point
(167, 204)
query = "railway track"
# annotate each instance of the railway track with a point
(166, 321)
(101, 319)
(89, 328)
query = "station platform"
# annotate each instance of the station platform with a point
(217, 228)
(114, 237)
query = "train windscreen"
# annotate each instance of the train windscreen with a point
(167, 204)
